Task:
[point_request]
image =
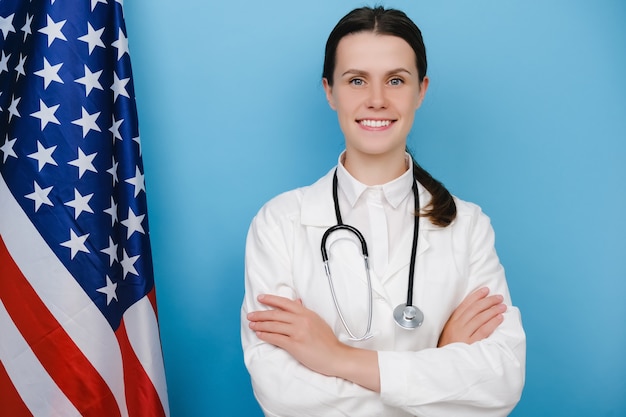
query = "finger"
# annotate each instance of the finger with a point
(275, 339)
(484, 317)
(487, 328)
(271, 315)
(279, 302)
(274, 327)
(471, 299)
(479, 307)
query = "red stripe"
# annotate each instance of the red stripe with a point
(153, 301)
(10, 401)
(51, 344)
(142, 398)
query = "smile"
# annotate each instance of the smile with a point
(374, 123)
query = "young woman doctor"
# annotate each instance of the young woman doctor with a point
(323, 342)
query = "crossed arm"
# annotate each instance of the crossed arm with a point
(302, 333)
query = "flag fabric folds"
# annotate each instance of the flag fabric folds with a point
(79, 333)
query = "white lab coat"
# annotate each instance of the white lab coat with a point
(417, 379)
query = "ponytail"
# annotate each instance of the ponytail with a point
(441, 210)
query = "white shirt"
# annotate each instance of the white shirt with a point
(283, 257)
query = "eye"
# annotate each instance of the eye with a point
(357, 82)
(396, 81)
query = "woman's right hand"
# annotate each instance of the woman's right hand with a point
(474, 319)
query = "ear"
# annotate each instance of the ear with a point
(422, 92)
(329, 94)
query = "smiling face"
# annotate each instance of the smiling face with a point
(375, 92)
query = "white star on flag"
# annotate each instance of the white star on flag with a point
(113, 171)
(133, 223)
(4, 61)
(13, 107)
(109, 290)
(115, 129)
(128, 264)
(76, 244)
(137, 181)
(7, 148)
(26, 28)
(6, 25)
(138, 140)
(121, 44)
(119, 87)
(84, 163)
(46, 114)
(112, 211)
(53, 30)
(19, 68)
(80, 203)
(93, 38)
(49, 73)
(40, 196)
(87, 122)
(111, 250)
(90, 80)
(43, 155)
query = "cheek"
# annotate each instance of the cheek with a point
(345, 107)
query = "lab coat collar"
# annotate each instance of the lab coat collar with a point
(394, 191)
(317, 208)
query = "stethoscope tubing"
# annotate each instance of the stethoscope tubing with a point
(406, 316)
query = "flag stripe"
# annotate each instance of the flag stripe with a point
(40, 393)
(12, 403)
(56, 351)
(143, 334)
(143, 400)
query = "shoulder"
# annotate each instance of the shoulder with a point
(289, 206)
(467, 209)
(285, 206)
(472, 222)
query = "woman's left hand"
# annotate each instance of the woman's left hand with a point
(298, 330)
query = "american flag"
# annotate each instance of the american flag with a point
(78, 324)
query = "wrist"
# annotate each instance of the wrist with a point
(359, 366)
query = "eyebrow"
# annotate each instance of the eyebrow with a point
(360, 72)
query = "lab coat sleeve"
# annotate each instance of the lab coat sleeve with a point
(483, 379)
(282, 386)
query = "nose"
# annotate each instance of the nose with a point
(376, 98)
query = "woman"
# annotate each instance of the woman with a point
(309, 343)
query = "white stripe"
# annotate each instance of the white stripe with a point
(143, 333)
(62, 295)
(39, 392)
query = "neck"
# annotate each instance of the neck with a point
(375, 169)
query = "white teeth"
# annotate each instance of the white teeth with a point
(375, 123)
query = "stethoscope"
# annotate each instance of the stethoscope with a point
(406, 315)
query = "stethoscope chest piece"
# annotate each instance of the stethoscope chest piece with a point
(408, 316)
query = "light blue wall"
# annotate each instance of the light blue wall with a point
(526, 116)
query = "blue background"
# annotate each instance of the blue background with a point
(525, 115)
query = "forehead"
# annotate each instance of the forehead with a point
(367, 51)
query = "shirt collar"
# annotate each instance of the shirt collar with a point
(394, 191)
